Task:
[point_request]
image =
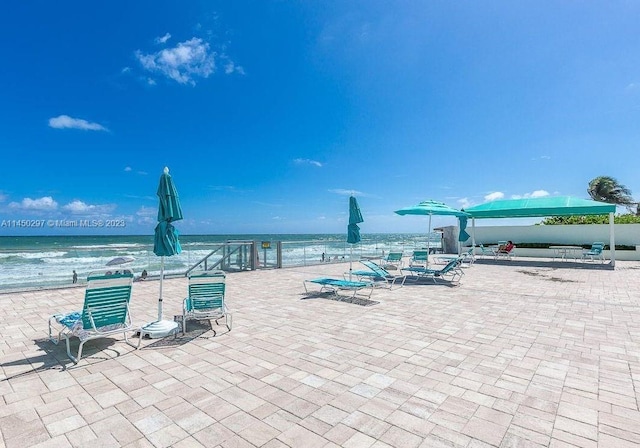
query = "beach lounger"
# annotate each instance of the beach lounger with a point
(505, 251)
(487, 251)
(206, 300)
(105, 312)
(594, 252)
(378, 275)
(419, 258)
(450, 273)
(466, 258)
(334, 285)
(393, 260)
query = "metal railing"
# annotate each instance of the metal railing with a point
(229, 256)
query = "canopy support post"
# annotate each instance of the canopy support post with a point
(612, 240)
(473, 235)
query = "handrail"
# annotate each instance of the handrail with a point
(197, 263)
(235, 248)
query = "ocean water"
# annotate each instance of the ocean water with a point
(28, 262)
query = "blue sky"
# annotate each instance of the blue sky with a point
(269, 114)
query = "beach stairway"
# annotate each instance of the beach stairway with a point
(237, 255)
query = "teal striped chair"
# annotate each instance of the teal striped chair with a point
(419, 258)
(105, 312)
(392, 260)
(594, 252)
(206, 299)
(378, 275)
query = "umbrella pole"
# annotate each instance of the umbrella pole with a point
(428, 242)
(161, 281)
(350, 261)
(159, 328)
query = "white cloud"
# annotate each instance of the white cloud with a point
(307, 162)
(494, 196)
(45, 203)
(539, 194)
(163, 39)
(147, 211)
(230, 67)
(184, 62)
(127, 168)
(125, 70)
(151, 81)
(464, 202)
(79, 207)
(3, 197)
(535, 194)
(67, 122)
(147, 215)
(344, 192)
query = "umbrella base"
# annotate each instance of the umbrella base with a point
(159, 329)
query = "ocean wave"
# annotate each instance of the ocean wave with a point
(33, 255)
(108, 246)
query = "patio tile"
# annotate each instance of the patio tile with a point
(551, 362)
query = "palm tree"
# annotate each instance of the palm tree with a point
(607, 189)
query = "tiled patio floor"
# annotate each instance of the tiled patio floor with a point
(516, 356)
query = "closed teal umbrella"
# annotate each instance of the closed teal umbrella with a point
(353, 231)
(463, 236)
(165, 244)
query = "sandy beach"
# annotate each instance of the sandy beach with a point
(517, 355)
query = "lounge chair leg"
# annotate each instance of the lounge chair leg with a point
(51, 338)
(71, 357)
(136, 346)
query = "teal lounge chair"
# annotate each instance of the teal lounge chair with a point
(206, 300)
(450, 273)
(334, 285)
(419, 258)
(378, 275)
(596, 251)
(466, 258)
(392, 260)
(105, 312)
(487, 251)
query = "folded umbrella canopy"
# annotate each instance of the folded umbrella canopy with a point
(353, 231)
(463, 236)
(165, 244)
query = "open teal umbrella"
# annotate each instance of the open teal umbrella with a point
(353, 231)
(165, 244)
(431, 208)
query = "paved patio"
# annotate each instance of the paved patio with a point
(516, 356)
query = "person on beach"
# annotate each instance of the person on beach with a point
(506, 248)
(75, 277)
(143, 276)
(322, 259)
